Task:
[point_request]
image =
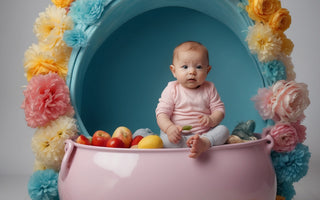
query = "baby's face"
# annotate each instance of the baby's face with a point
(190, 68)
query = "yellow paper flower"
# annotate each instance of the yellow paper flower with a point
(261, 10)
(287, 45)
(280, 197)
(38, 166)
(287, 61)
(61, 52)
(280, 20)
(62, 3)
(51, 24)
(48, 142)
(39, 61)
(263, 42)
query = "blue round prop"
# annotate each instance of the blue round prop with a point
(117, 79)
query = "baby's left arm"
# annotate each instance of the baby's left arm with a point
(211, 120)
(216, 106)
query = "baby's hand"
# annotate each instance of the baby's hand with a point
(206, 120)
(174, 133)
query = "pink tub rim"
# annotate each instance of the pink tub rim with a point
(266, 140)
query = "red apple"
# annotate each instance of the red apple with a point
(124, 134)
(100, 138)
(136, 140)
(83, 140)
(115, 142)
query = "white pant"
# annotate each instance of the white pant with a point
(217, 136)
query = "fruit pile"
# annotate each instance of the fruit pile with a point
(121, 138)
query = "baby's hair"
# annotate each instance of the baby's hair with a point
(193, 46)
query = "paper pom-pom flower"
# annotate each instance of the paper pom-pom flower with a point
(286, 60)
(278, 197)
(43, 185)
(261, 10)
(48, 142)
(301, 131)
(285, 136)
(263, 42)
(75, 38)
(274, 71)
(284, 101)
(286, 190)
(37, 61)
(291, 166)
(51, 24)
(38, 166)
(87, 12)
(280, 20)
(289, 100)
(62, 3)
(287, 45)
(46, 98)
(263, 103)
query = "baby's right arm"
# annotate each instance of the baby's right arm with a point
(167, 126)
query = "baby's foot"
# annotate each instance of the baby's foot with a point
(198, 145)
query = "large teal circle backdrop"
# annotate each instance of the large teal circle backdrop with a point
(121, 79)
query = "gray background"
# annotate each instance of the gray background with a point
(17, 18)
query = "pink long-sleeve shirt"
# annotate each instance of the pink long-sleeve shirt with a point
(183, 105)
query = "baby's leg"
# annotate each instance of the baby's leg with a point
(217, 135)
(168, 144)
(200, 144)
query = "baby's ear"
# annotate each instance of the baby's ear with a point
(173, 71)
(209, 68)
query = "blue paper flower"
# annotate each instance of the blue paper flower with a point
(75, 38)
(286, 190)
(291, 166)
(43, 185)
(274, 71)
(87, 12)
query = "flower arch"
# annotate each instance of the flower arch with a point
(66, 25)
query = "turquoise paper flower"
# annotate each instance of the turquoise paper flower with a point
(43, 185)
(291, 166)
(286, 190)
(75, 38)
(274, 71)
(87, 12)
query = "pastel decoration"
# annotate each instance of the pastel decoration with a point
(43, 184)
(46, 98)
(75, 38)
(286, 190)
(117, 68)
(87, 12)
(285, 136)
(274, 71)
(291, 166)
(283, 101)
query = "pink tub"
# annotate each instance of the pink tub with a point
(228, 172)
(116, 80)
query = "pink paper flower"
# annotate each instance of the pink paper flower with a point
(289, 101)
(263, 103)
(285, 101)
(285, 136)
(46, 99)
(301, 131)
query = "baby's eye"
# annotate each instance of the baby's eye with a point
(199, 67)
(184, 67)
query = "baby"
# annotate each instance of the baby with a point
(191, 100)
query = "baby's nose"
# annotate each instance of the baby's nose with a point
(192, 70)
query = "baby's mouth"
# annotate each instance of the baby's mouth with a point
(191, 79)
